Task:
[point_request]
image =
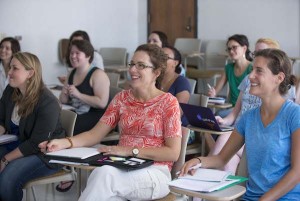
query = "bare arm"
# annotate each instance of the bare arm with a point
(221, 83)
(292, 177)
(183, 97)
(234, 143)
(64, 95)
(2, 130)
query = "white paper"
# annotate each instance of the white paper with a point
(80, 152)
(67, 162)
(201, 186)
(203, 174)
(67, 107)
(6, 138)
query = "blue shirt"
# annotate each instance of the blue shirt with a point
(268, 149)
(179, 85)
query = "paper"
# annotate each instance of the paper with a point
(67, 162)
(80, 153)
(203, 174)
(6, 138)
(201, 186)
(67, 107)
(216, 100)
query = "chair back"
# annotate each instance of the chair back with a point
(179, 163)
(192, 84)
(113, 78)
(113, 56)
(198, 99)
(68, 119)
(188, 46)
(215, 54)
(113, 91)
(63, 45)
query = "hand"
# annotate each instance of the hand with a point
(220, 120)
(73, 91)
(65, 90)
(116, 150)
(187, 165)
(212, 92)
(62, 79)
(54, 145)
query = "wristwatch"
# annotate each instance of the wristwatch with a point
(135, 152)
(4, 161)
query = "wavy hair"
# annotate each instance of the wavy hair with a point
(34, 85)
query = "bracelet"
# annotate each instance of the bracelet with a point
(69, 139)
(5, 161)
(199, 160)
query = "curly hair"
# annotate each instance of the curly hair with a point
(157, 57)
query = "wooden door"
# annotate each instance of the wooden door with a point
(176, 18)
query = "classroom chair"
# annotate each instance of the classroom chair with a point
(192, 84)
(113, 78)
(68, 119)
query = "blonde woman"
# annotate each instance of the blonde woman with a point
(31, 112)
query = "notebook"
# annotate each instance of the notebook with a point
(7, 138)
(74, 154)
(202, 117)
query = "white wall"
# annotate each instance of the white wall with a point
(42, 23)
(123, 23)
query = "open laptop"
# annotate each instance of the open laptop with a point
(202, 117)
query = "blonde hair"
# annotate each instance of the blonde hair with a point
(34, 85)
(270, 42)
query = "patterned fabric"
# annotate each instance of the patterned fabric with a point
(144, 124)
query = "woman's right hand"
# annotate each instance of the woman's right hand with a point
(186, 168)
(212, 92)
(220, 120)
(54, 145)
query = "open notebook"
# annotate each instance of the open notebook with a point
(207, 180)
(7, 138)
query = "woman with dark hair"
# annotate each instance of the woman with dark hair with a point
(236, 71)
(270, 132)
(8, 46)
(174, 83)
(149, 121)
(82, 35)
(32, 113)
(158, 38)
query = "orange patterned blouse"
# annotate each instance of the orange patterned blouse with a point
(144, 124)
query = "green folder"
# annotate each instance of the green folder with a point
(238, 178)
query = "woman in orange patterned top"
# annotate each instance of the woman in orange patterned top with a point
(150, 128)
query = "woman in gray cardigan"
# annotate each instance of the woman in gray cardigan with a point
(30, 111)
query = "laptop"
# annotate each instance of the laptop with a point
(202, 117)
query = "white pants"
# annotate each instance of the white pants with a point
(110, 183)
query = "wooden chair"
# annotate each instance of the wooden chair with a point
(113, 56)
(68, 119)
(63, 45)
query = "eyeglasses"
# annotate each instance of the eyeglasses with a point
(139, 66)
(232, 48)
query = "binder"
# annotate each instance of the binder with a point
(7, 138)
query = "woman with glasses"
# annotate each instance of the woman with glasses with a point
(270, 132)
(235, 72)
(149, 122)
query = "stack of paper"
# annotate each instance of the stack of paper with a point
(206, 180)
(216, 100)
(79, 153)
(6, 138)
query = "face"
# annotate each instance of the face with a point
(77, 38)
(77, 58)
(235, 50)
(263, 81)
(171, 63)
(141, 77)
(18, 75)
(154, 39)
(261, 46)
(5, 51)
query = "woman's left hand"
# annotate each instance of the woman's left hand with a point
(116, 150)
(73, 91)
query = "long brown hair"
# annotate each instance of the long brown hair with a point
(34, 86)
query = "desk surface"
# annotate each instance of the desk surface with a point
(203, 130)
(219, 106)
(222, 195)
(117, 69)
(203, 74)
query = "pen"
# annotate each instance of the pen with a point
(208, 85)
(191, 168)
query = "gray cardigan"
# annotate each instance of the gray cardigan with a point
(34, 128)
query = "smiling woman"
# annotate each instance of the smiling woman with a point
(29, 111)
